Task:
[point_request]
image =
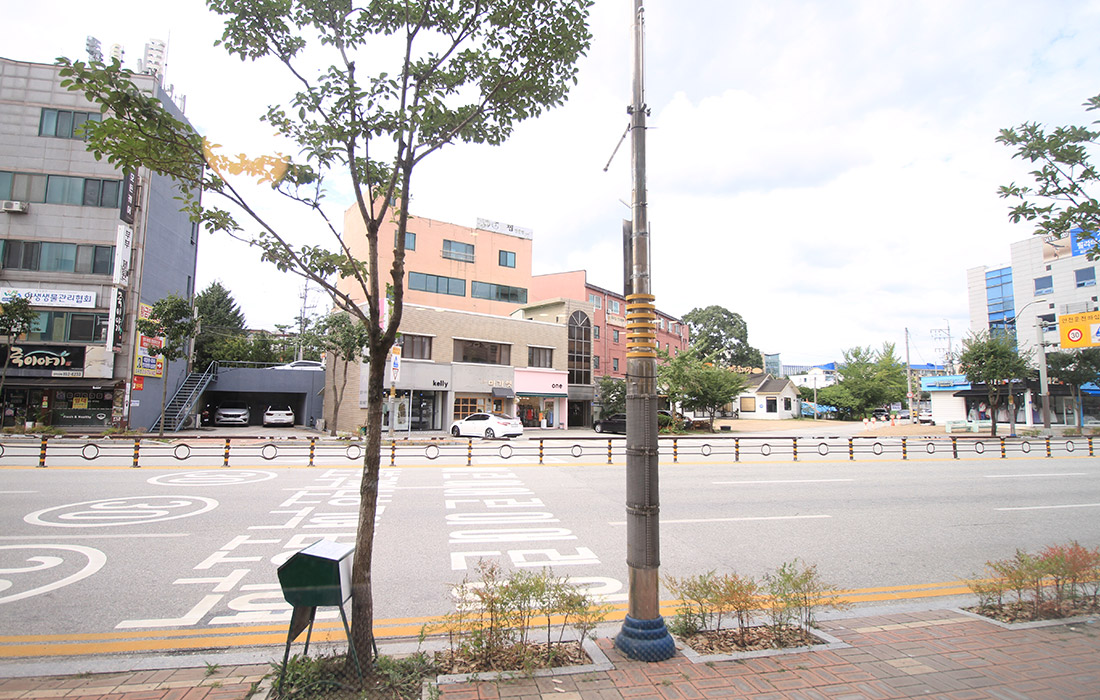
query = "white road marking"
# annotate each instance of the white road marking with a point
(95, 561)
(785, 481)
(1024, 476)
(731, 520)
(7, 492)
(89, 537)
(1074, 505)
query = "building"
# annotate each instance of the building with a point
(1045, 279)
(487, 270)
(91, 248)
(454, 363)
(768, 398)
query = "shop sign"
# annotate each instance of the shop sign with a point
(500, 227)
(124, 242)
(118, 315)
(76, 416)
(542, 383)
(66, 373)
(48, 357)
(129, 197)
(67, 298)
(499, 382)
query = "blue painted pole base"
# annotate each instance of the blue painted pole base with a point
(645, 640)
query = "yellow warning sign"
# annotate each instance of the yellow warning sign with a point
(1080, 330)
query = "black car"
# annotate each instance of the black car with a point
(666, 419)
(615, 423)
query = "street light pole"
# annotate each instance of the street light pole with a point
(1044, 386)
(643, 635)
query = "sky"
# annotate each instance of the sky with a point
(828, 170)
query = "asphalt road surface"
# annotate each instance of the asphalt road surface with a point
(100, 559)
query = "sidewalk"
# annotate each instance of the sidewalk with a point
(931, 654)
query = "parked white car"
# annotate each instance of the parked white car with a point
(312, 365)
(232, 413)
(279, 415)
(487, 425)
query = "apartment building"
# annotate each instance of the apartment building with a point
(92, 248)
(454, 363)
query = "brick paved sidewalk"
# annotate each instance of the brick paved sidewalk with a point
(213, 683)
(936, 654)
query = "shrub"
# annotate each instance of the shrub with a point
(1048, 584)
(795, 592)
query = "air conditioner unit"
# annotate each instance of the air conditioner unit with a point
(10, 207)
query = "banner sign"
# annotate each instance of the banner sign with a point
(51, 297)
(146, 364)
(68, 360)
(129, 198)
(124, 242)
(116, 320)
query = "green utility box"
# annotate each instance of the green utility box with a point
(318, 575)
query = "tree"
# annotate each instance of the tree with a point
(721, 334)
(172, 320)
(1060, 202)
(612, 395)
(221, 317)
(404, 81)
(994, 362)
(847, 405)
(342, 338)
(16, 318)
(1075, 369)
(697, 384)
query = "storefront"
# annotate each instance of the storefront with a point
(483, 389)
(541, 397)
(421, 397)
(57, 385)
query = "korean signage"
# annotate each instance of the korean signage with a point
(67, 298)
(146, 363)
(395, 364)
(1080, 330)
(124, 242)
(129, 198)
(498, 227)
(118, 316)
(1081, 243)
(48, 360)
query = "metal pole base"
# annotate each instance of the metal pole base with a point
(645, 640)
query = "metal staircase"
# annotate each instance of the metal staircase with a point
(182, 403)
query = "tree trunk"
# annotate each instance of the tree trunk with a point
(337, 396)
(362, 603)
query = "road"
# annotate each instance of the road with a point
(101, 559)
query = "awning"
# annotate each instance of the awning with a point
(502, 392)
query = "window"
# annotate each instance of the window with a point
(416, 347)
(614, 364)
(410, 240)
(580, 348)
(595, 362)
(1086, 277)
(467, 405)
(1044, 285)
(540, 357)
(437, 284)
(614, 336)
(498, 292)
(507, 258)
(482, 352)
(453, 250)
(672, 328)
(59, 257)
(64, 124)
(59, 189)
(595, 332)
(69, 326)
(771, 405)
(612, 306)
(595, 300)
(786, 403)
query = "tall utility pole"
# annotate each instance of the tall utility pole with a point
(643, 635)
(944, 334)
(908, 378)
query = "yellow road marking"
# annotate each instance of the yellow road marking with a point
(86, 644)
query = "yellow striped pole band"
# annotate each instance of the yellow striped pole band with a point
(641, 326)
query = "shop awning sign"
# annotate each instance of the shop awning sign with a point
(1080, 330)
